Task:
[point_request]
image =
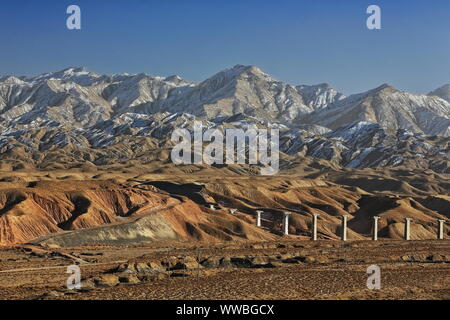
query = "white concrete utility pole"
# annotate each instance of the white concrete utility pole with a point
(408, 229)
(344, 228)
(314, 233)
(286, 223)
(441, 229)
(258, 218)
(375, 228)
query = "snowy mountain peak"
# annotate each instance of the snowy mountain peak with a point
(177, 80)
(239, 71)
(11, 80)
(77, 96)
(246, 68)
(384, 88)
(442, 92)
(75, 71)
(320, 86)
(173, 78)
(391, 109)
(79, 75)
(77, 115)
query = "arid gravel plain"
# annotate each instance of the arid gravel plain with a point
(286, 269)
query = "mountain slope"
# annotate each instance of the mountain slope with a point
(319, 96)
(442, 92)
(76, 118)
(241, 89)
(391, 109)
(77, 97)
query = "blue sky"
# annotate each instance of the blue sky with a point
(297, 41)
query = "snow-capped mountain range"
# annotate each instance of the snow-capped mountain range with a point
(98, 118)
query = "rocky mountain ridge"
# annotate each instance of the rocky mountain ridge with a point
(75, 116)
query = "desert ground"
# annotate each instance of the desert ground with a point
(288, 270)
(174, 236)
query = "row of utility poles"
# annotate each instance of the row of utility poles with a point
(344, 220)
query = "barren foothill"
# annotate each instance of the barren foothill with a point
(139, 236)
